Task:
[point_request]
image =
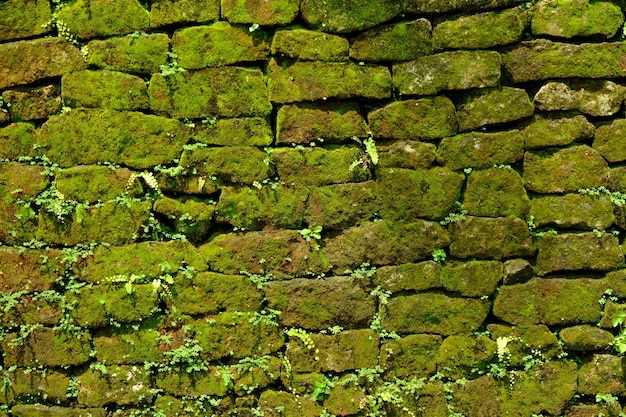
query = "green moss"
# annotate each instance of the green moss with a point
(336, 16)
(128, 346)
(473, 278)
(547, 131)
(573, 211)
(94, 183)
(24, 18)
(16, 140)
(264, 13)
(585, 338)
(249, 131)
(308, 45)
(47, 347)
(290, 404)
(33, 385)
(398, 42)
(458, 356)
(113, 90)
(190, 218)
(143, 54)
(413, 356)
(35, 104)
(170, 12)
(493, 106)
(122, 385)
(209, 382)
(419, 276)
(496, 192)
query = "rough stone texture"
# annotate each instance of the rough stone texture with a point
(544, 131)
(407, 154)
(565, 170)
(143, 54)
(245, 131)
(485, 238)
(585, 338)
(342, 16)
(24, 270)
(480, 31)
(107, 89)
(434, 313)
(413, 356)
(330, 123)
(608, 141)
(523, 340)
(25, 62)
(309, 45)
(17, 140)
(33, 104)
(427, 118)
(290, 404)
(93, 183)
(208, 382)
(456, 70)
(227, 92)
(459, 355)
(568, 252)
(567, 19)
(419, 276)
(436, 6)
(170, 12)
(47, 347)
(53, 386)
(543, 59)
(471, 279)
(295, 82)
(517, 271)
(604, 373)
(480, 150)
(592, 97)
(25, 410)
(24, 18)
(122, 385)
(398, 42)
(493, 106)
(554, 302)
(191, 218)
(217, 45)
(127, 346)
(496, 192)
(88, 19)
(617, 179)
(264, 13)
(573, 211)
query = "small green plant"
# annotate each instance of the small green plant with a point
(365, 270)
(171, 67)
(314, 232)
(457, 214)
(304, 337)
(258, 279)
(619, 343)
(617, 198)
(439, 256)
(535, 232)
(321, 390)
(370, 156)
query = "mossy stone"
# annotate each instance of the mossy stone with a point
(171, 12)
(481, 150)
(550, 301)
(438, 7)
(143, 54)
(247, 379)
(122, 385)
(309, 81)
(93, 183)
(617, 179)
(496, 192)
(592, 97)
(413, 356)
(17, 140)
(480, 397)
(410, 276)
(427, 118)
(28, 410)
(564, 170)
(217, 45)
(573, 211)
(245, 131)
(227, 92)
(270, 402)
(35, 104)
(458, 355)
(585, 338)
(546, 131)
(26, 385)
(472, 278)
(127, 346)
(525, 341)
(607, 143)
(320, 304)
(88, 19)
(190, 218)
(345, 398)
(407, 154)
(490, 238)
(107, 89)
(434, 313)
(343, 16)
(264, 13)
(25, 62)
(455, 70)
(330, 123)
(208, 382)
(309, 45)
(408, 194)
(568, 19)
(32, 311)
(24, 18)
(47, 347)
(493, 106)
(397, 42)
(604, 373)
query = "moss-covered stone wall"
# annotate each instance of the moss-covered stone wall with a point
(312, 208)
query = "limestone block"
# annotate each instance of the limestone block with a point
(496, 192)
(609, 141)
(341, 16)
(171, 12)
(16, 140)
(143, 54)
(592, 97)
(208, 382)
(481, 150)
(398, 42)
(544, 131)
(243, 131)
(407, 154)
(123, 385)
(573, 211)
(604, 373)
(493, 106)
(410, 276)
(24, 18)
(47, 347)
(412, 356)
(127, 346)
(472, 278)
(309, 45)
(104, 89)
(585, 338)
(459, 355)
(93, 183)
(36, 104)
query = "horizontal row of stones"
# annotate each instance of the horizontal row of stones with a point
(101, 18)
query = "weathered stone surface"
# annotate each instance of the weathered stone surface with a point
(480, 31)
(516, 271)
(524, 340)
(608, 141)
(249, 377)
(16, 140)
(350, 349)
(217, 45)
(90, 136)
(568, 252)
(93, 183)
(169, 12)
(121, 385)
(544, 131)
(542, 59)
(438, 7)
(477, 397)
(565, 170)
(496, 192)
(127, 346)
(345, 399)
(308, 81)
(554, 302)
(427, 118)
(567, 19)
(320, 304)
(33, 104)
(24, 18)
(227, 92)
(191, 217)
(459, 355)
(485, 238)
(245, 131)
(290, 404)
(143, 54)
(32, 310)
(25, 62)
(592, 97)
(52, 385)
(26, 410)
(342, 16)
(585, 338)
(310, 45)
(88, 19)
(330, 123)
(261, 12)
(493, 106)
(471, 279)
(589, 410)
(419, 276)
(318, 166)
(456, 70)
(208, 382)
(573, 211)
(481, 150)
(398, 42)
(407, 154)
(434, 313)
(107, 89)
(413, 356)
(385, 243)
(25, 270)
(605, 373)
(408, 194)
(617, 179)
(47, 347)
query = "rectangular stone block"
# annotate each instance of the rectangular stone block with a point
(411, 276)
(261, 12)
(28, 410)
(493, 106)
(122, 385)
(127, 346)
(481, 150)
(46, 347)
(397, 42)
(544, 131)
(245, 131)
(24, 19)
(143, 54)
(194, 384)
(437, 6)
(573, 211)
(309, 45)
(35, 104)
(107, 89)
(28, 270)
(496, 192)
(473, 278)
(171, 12)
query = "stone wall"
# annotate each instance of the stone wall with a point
(312, 208)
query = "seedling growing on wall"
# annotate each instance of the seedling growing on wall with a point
(314, 232)
(439, 256)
